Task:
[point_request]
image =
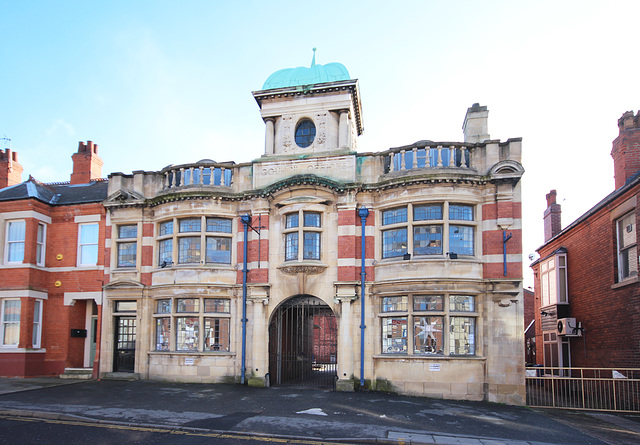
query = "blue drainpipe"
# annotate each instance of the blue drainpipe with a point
(246, 220)
(362, 213)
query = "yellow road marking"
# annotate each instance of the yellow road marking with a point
(175, 431)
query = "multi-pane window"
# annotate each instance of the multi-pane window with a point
(305, 133)
(127, 245)
(15, 241)
(310, 233)
(429, 324)
(37, 324)
(88, 244)
(10, 317)
(200, 324)
(627, 247)
(553, 280)
(191, 241)
(435, 228)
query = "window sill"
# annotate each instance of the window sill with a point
(194, 353)
(427, 357)
(14, 350)
(224, 266)
(626, 282)
(428, 258)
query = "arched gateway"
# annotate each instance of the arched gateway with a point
(303, 343)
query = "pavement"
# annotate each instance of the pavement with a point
(302, 413)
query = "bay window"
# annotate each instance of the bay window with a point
(10, 317)
(627, 246)
(191, 241)
(200, 324)
(435, 228)
(553, 279)
(15, 241)
(429, 325)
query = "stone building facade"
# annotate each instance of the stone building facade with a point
(252, 272)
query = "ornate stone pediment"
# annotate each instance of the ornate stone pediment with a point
(124, 196)
(124, 284)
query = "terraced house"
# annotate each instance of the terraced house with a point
(51, 268)
(317, 264)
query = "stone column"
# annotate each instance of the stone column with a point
(259, 365)
(269, 138)
(345, 346)
(343, 131)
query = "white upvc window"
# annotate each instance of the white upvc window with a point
(553, 280)
(627, 246)
(37, 324)
(88, 244)
(15, 241)
(10, 318)
(41, 244)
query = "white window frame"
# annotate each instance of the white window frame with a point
(81, 259)
(41, 244)
(36, 337)
(9, 243)
(554, 280)
(627, 250)
(3, 323)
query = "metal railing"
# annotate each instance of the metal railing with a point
(602, 389)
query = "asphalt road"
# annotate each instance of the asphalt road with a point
(27, 431)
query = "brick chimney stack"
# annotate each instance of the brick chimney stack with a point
(626, 148)
(10, 170)
(476, 124)
(552, 220)
(87, 165)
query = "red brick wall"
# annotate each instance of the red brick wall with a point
(609, 314)
(57, 319)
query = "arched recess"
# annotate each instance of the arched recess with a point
(303, 343)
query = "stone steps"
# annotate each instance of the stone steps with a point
(77, 373)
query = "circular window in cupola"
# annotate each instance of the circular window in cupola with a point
(305, 133)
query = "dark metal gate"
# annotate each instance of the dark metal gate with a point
(303, 343)
(125, 351)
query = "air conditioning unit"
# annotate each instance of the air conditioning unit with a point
(568, 327)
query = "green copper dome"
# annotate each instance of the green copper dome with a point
(291, 77)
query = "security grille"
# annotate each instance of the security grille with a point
(303, 344)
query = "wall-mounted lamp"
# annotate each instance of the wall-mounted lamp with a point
(452, 255)
(406, 256)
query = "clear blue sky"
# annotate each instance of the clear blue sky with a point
(166, 82)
